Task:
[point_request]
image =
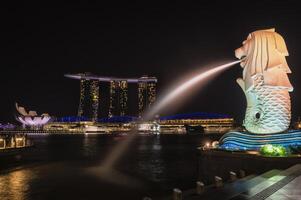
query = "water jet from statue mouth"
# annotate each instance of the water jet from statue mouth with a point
(165, 101)
(202, 77)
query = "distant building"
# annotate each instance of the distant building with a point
(89, 98)
(31, 118)
(118, 98)
(174, 124)
(113, 98)
(210, 122)
(146, 93)
(123, 96)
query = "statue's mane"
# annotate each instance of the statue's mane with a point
(266, 50)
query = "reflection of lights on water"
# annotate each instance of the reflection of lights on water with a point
(156, 147)
(14, 185)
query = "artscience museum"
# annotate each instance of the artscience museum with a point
(31, 119)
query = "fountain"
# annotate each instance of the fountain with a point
(266, 86)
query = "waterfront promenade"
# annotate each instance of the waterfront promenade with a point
(272, 185)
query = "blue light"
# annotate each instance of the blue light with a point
(248, 141)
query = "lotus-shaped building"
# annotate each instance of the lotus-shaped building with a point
(31, 118)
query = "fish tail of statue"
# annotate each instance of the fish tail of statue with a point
(268, 108)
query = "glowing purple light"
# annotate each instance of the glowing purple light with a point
(31, 118)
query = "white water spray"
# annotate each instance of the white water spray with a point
(108, 164)
(184, 86)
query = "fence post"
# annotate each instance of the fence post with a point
(177, 194)
(200, 187)
(233, 176)
(218, 181)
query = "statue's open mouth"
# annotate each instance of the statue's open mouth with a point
(243, 57)
(242, 60)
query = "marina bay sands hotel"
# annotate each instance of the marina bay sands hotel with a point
(118, 97)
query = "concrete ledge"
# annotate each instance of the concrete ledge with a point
(219, 163)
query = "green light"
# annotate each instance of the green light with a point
(273, 150)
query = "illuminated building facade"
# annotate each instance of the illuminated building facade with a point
(94, 95)
(151, 92)
(142, 93)
(9, 141)
(118, 97)
(89, 99)
(83, 85)
(211, 122)
(146, 93)
(114, 87)
(123, 96)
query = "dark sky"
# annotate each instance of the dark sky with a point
(43, 42)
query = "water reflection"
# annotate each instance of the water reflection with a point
(15, 185)
(156, 163)
(150, 160)
(89, 145)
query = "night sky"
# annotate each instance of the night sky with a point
(43, 42)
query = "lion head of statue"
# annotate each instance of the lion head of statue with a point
(264, 52)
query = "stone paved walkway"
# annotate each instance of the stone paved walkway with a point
(290, 191)
(272, 185)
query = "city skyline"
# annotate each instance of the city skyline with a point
(125, 40)
(144, 100)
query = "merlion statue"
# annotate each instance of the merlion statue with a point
(265, 82)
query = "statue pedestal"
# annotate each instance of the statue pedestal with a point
(249, 141)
